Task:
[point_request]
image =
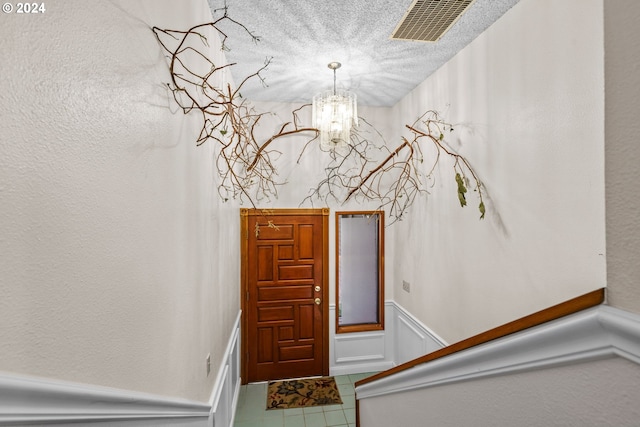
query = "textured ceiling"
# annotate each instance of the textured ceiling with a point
(302, 37)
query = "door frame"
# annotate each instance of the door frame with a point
(245, 213)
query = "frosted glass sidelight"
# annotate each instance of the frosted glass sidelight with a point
(360, 265)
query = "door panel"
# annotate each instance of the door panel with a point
(285, 304)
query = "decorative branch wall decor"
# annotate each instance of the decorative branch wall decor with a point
(393, 178)
(366, 170)
(245, 166)
(434, 131)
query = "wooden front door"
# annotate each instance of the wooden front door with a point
(285, 293)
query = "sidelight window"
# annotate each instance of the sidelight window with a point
(360, 271)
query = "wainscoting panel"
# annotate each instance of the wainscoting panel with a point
(412, 339)
(404, 338)
(31, 401)
(226, 390)
(354, 353)
(358, 347)
(409, 342)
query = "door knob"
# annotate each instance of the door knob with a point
(318, 301)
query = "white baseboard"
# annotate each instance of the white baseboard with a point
(33, 401)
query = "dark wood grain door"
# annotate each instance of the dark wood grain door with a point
(285, 307)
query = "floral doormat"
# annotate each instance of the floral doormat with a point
(302, 392)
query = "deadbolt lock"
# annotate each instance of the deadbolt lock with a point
(317, 288)
(318, 301)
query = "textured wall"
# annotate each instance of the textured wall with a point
(622, 152)
(118, 266)
(118, 262)
(527, 100)
(588, 394)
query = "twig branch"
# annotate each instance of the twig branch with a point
(365, 170)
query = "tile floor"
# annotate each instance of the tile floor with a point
(252, 402)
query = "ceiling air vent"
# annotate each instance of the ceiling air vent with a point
(428, 20)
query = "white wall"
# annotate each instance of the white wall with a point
(597, 393)
(118, 263)
(115, 251)
(527, 100)
(622, 152)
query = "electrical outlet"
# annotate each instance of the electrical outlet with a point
(208, 363)
(406, 286)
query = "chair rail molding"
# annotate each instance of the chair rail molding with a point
(32, 400)
(596, 333)
(41, 401)
(403, 338)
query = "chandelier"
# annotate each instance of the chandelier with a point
(334, 114)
